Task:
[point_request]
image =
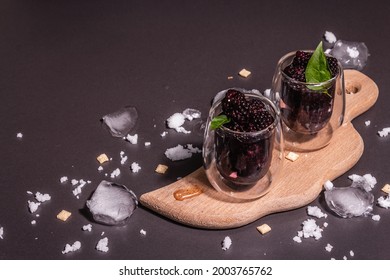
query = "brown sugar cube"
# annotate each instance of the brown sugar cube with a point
(244, 73)
(386, 189)
(63, 215)
(264, 228)
(291, 156)
(102, 158)
(161, 168)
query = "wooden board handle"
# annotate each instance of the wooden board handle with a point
(361, 94)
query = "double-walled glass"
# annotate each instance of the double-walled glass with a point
(310, 112)
(243, 164)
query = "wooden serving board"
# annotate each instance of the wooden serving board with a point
(301, 183)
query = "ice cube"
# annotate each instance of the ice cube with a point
(112, 204)
(122, 121)
(348, 202)
(352, 55)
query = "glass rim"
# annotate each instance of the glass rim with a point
(288, 55)
(271, 127)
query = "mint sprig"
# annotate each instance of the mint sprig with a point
(317, 70)
(219, 121)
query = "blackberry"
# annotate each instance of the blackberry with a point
(247, 115)
(333, 65)
(301, 58)
(296, 70)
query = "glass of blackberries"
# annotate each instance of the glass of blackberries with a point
(308, 88)
(243, 143)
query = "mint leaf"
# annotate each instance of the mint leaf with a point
(317, 69)
(219, 121)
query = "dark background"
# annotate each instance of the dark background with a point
(65, 64)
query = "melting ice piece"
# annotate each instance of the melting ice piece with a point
(122, 121)
(352, 55)
(112, 204)
(348, 202)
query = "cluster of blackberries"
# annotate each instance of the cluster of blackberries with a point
(246, 115)
(296, 69)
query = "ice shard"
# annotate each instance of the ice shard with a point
(112, 204)
(121, 122)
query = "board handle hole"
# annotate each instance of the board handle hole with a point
(352, 87)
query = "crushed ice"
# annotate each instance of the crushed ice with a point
(226, 243)
(328, 247)
(354, 200)
(309, 229)
(87, 227)
(384, 202)
(191, 114)
(121, 122)
(78, 189)
(330, 37)
(351, 55)
(102, 245)
(328, 185)
(115, 173)
(135, 167)
(376, 218)
(33, 206)
(42, 197)
(72, 248)
(384, 132)
(181, 152)
(77, 184)
(123, 157)
(316, 212)
(112, 204)
(177, 120)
